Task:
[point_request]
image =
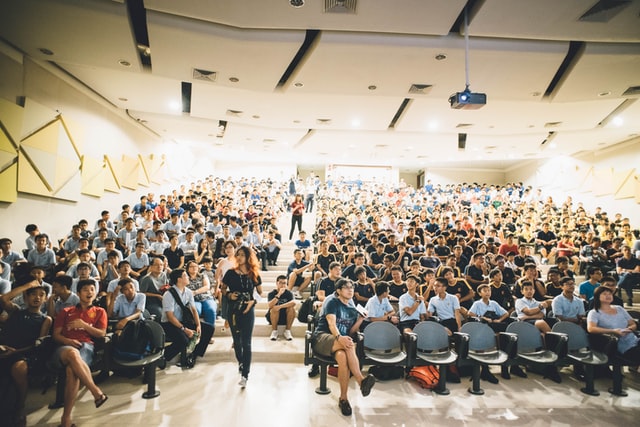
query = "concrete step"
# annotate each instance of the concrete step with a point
(261, 328)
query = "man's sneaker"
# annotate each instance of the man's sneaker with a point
(314, 371)
(297, 295)
(367, 384)
(274, 335)
(243, 382)
(287, 335)
(345, 407)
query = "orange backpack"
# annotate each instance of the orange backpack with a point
(427, 376)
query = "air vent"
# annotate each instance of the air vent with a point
(234, 113)
(552, 124)
(269, 141)
(204, 75)
(632, 91)
(604, 10)
(490, 147)
(530, 154)
(420, 89)
(323, 121)
(340, 6)
(464, 125)
(381, 146)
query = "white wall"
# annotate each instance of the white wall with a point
(457, 176)
(277, 172)
(106, 131)
(564, 176)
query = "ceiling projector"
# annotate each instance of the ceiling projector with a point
(467, 100)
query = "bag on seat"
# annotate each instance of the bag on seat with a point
(134, 343)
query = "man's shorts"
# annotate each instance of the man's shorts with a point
(323, 344)
(86, 354)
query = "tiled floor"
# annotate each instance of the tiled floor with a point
(281, 394)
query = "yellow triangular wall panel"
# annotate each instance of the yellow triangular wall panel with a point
(9, 184)
(28, 179)
(6, 160)
(71, 190)
(45, 139)
(623, 183)
(36, 116)
(65, 145)
(112, 171)
(586, 180)
(602, 183)
(44, 162)
(11, 117)
(143, 170)
(5, 144)
(130, 167)
(75, 131)
(65, 169)
(93, 176)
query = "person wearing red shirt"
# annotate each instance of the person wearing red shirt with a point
(74, 329)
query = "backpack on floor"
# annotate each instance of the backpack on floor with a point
(387, 373)
(427, 376)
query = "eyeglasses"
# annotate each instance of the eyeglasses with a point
(347, 287)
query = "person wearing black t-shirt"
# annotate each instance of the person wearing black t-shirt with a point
(281, 309)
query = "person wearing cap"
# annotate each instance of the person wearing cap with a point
(567, 307)
(17, 338)
(339, 320)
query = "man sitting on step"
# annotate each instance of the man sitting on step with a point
(281, 309)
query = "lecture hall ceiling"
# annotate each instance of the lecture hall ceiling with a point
(315, 86)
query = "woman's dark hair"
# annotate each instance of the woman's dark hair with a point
(252, 262)
(596, 296)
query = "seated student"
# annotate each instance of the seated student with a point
(41, 255)
(450, 262)
(326, 286)
(295, 272)
(61, 296)
(459, 288)
(139, 261)
(445, 306)
(531, 310)
(403, 258)
(426, 289)
(153, 285)
(553, 286)
(17, 338)
(358, 261)
(74, 329)
(489, 311)
(397, 286)
(474, 274)
(86, 258)
(562, 264)
(530, 275)
(379, 308)
(384, 274)
(177, 332)
(126, 305)
(200, 285)
(304, 245)
(339, 319)
(587, 288)
(500, 291)
(611, 283)
(376, 258)
(606, 318)
(281, 309)
(363, 287)
(628, 269)
(36, 273)
(429, 259)
(124, 272)
(411, 306)
(567, 307)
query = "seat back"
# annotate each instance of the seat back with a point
(529, 338)
(382, 336)
(432, 336)
(481, 336)
(577, 336)
(156, 336)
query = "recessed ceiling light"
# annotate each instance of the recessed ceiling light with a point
(440, 57)
(605, 93)
(372, 87)
(45, 51)
(124, 63)
(175, 106)
(234, 79)
(298, 84)
(255, 116)
(355, 123)
(617, 121)
(553, 145)
(433, 125)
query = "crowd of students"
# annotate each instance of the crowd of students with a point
(435, 250)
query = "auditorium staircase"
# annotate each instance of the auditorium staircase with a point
(265, 350)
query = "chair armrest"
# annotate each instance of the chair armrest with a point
(310, 322)
(410, 340)
(508, 343)
(604, 343)
(359, 339)
(461, 341)
(557, 343)
(308, 351)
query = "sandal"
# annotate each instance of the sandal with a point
(100, 401)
